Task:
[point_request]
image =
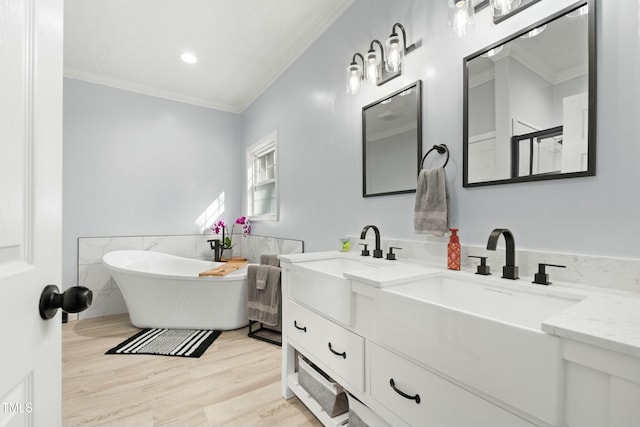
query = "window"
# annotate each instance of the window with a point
(262, 177)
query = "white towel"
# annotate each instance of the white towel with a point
(432, 199)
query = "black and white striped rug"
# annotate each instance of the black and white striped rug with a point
(167, 342)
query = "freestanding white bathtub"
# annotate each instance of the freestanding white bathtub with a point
(164, 291)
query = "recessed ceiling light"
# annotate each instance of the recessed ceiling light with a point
(189, 58)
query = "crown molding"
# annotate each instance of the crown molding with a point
(147, 90)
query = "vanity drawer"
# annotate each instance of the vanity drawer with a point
(327, 343)
(430, 400)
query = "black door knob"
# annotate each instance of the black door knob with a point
(73, 300)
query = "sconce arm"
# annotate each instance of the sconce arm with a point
(404, 37)
(353, 60)
(381, 49)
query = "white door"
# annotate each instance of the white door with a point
(575, 132)
(30, 209)
(482, 157)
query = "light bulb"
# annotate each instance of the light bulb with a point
(503, 7)
(354, 77)
(461, 17)
(395, 52)
(372, 61)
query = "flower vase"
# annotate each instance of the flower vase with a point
(227, 254)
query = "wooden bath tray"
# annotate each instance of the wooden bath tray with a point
(225, 269)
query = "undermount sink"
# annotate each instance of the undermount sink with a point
(322, 286)
(484, 331)
(516, 307)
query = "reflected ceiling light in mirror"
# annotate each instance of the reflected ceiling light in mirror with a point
(535, 32)
(492, 52)
(461, 17)
(584, 10)
(354, 75)
(503, 7)
(189, 58)
(372, 70)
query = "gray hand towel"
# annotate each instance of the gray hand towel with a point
(432, 199)
(270, 260)
(264, 305)
(262, 271)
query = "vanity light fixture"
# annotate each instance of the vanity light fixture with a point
(503, 7)
(372, 69)
(462, 13)
(354, 75)
(461, 17)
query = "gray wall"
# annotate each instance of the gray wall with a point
(320, 136)
(136, 165)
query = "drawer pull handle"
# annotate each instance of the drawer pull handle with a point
(343, 354)
(403, 394)
(303, 329)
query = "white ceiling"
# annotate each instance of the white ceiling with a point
(242, 46)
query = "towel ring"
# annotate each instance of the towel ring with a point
(441, 149)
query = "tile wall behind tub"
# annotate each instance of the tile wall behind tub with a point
(107, 298)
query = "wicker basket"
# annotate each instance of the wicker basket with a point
(329, 394)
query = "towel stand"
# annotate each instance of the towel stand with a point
(440, 149)
(266, 333)
(262, 329)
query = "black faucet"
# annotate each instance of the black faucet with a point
(377, 252)
(216, 247)
(509, 271)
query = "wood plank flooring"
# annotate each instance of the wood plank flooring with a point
(235, 383)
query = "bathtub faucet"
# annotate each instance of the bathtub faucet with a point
(216, 246)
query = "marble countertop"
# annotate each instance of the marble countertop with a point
(605, 321)
(609, 320)
(387, 273)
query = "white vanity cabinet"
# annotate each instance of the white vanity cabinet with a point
(476, 352)
(326, 343)
(602, 387)
(347, 352)
(422, 398)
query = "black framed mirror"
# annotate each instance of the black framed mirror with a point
(392, 142)
(529, 107)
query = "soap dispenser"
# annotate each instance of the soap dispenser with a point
(453, 250)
